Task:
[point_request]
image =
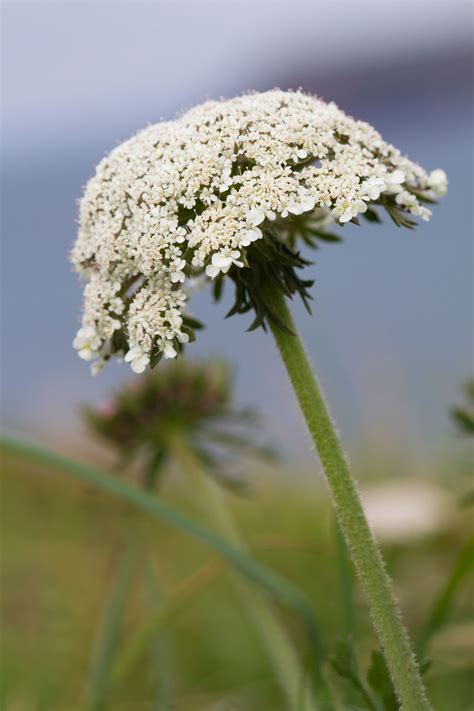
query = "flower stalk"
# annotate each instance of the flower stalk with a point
(364, 551)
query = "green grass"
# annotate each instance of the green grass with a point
(61, 547)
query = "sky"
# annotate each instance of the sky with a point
(392, 324)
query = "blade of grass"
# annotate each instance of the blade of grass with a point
(161, 657)
(444, 600)
(110, 631)
(278, 587)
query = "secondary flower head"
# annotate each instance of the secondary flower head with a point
(184, 401)
(222, 188)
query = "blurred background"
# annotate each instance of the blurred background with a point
(391, 337)
(391, 330)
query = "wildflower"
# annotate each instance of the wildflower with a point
(409, 202)
(438, 182)
(347, 209)
(221, 263)
(137, 358)
(228, 186)
(394, 181)
(283, 163)
(87, 342)
(183, 402)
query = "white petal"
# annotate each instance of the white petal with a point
(254, 234)
(308, 204)
(133, 353)
(398, 176)
(212, 271)
(437, 176)
(169, 351)
(295, 209)
(178, 277)
(255, 216)
(138, 365)
(345, 217)
(86, 354)
(220, 260)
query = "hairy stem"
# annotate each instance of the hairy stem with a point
(288, 668)
(364, 551)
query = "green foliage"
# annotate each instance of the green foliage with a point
(61, 542)
(377, 693)
(463, 415)
(269, 261)
(379, 680)
(372, 215)
(344, 663)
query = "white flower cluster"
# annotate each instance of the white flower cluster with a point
(187, 197)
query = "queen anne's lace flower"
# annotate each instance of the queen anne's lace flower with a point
(189, 196)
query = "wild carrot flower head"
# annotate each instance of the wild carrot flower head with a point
(187, 401)
(228, 188)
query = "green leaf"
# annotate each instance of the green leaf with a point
(372, 215)
(464, 420)
(464, 415)
(325, 236)
(193, 323)
(379, 680)
(155, 359)
(399, 217)
(270, 262)
(344, 663)
(218, 288)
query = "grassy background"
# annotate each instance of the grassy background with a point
(62, 543)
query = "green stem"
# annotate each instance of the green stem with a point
(365, 554)
(288, 669)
